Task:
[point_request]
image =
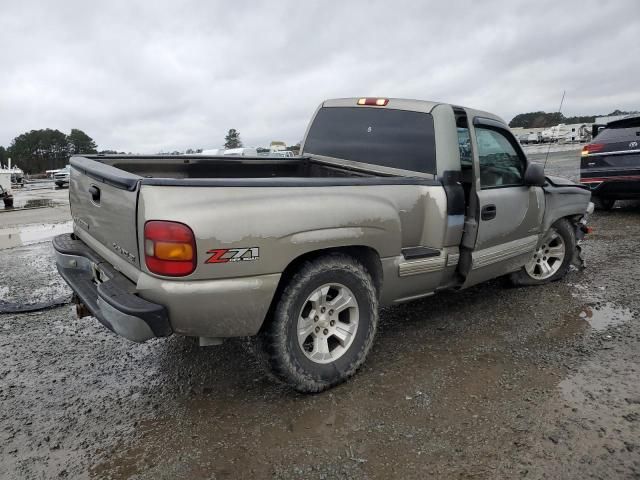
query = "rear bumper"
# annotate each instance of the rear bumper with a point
(107, 294)
(157, 307)
(612, 186)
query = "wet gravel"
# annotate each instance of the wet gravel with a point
(492, 382)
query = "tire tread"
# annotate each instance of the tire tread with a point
(272, 342)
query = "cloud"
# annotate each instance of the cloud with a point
(145, 77)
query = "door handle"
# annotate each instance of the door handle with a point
(488, 212)
(95, 193)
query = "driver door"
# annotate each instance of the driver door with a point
(507, 214)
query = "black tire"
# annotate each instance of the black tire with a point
(604, 203)
(564, 228)
(278, 342)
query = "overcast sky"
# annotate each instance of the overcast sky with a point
(153, 76)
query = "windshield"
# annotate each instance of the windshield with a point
(385, 137)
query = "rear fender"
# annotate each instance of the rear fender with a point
(278, 225)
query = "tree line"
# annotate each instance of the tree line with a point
(546, 120)
(46, 149)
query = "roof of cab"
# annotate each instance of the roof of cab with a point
(425, 106)
(394, 103)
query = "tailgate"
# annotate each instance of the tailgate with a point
(103, 205)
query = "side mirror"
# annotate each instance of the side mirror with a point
(534, 175)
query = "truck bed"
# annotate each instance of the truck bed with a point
(111, 195)
(129, 171)
(198, 166)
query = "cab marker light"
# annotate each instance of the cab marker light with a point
(378, 102)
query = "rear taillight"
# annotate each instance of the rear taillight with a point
(169, 248)
(592, 148)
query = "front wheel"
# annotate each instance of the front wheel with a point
(323, 324)
(552, 258)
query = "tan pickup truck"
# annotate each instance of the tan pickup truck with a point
(391, 200)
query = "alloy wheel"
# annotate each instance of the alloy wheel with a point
(327, 323)
(548, 258)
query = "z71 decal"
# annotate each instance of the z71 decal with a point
(226, 255)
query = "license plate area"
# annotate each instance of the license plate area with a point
(98, 275)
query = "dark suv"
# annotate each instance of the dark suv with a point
(610, 164)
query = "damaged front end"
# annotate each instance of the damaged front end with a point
(581, 229)
(567, 199)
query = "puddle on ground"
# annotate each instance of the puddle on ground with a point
(15, 237)
(605, 315)
(24, 204)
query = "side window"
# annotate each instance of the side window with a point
(464, 144)
(500, 164)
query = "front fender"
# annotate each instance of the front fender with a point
(561, 201)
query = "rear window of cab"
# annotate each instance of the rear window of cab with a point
(379, 136)
(625, 129)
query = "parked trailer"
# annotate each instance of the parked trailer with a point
(5, 187)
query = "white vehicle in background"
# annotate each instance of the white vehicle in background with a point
(16, 175)
(241, 152)
(61, 177)
(533, 138)
(562, 133)
(578, 132)
(213, 151)
(277, 146)
(5, 187)
(281, 153)
(236, 152)
(279, 149)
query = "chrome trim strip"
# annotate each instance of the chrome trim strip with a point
(424, 265)
(452, 259)
(505, 251)
(617, 152)
(413, 297)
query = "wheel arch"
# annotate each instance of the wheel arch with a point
(523, 278)
(368, 256)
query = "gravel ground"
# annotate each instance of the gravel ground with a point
(491, 382)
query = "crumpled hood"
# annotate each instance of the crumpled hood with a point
(563, 182)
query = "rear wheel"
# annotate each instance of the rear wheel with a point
(552, 258)
(323, 324)
(604, 203)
